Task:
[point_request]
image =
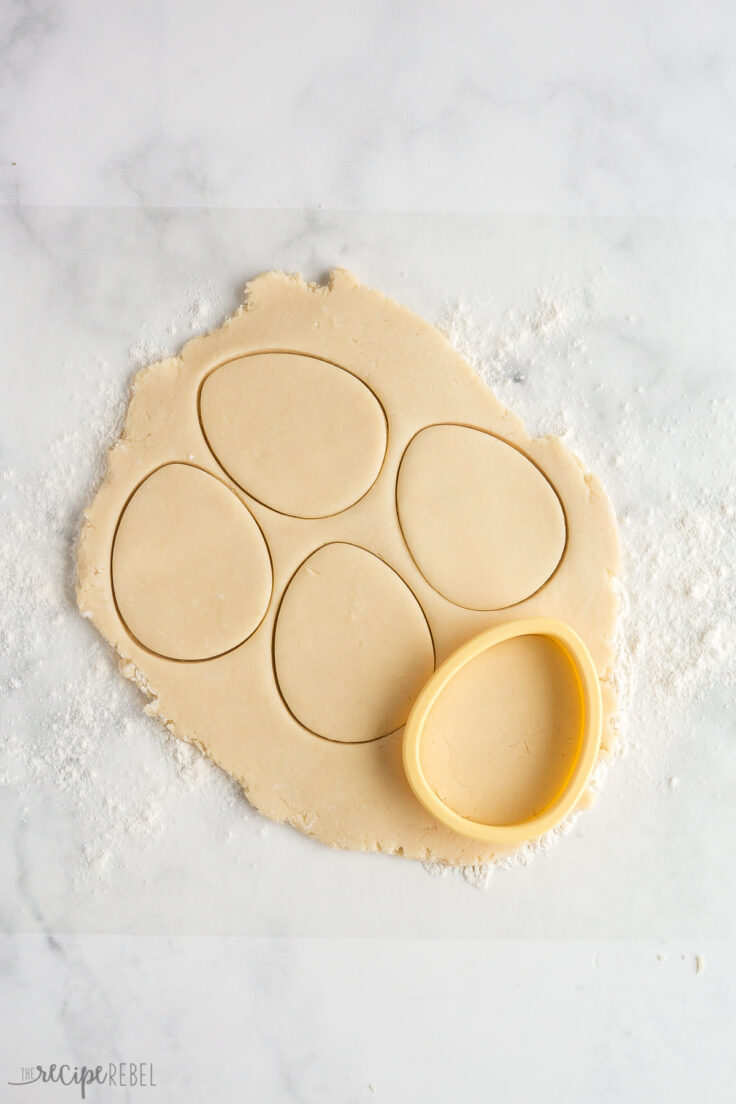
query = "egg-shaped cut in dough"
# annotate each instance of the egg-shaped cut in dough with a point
(483, 524)
(352, 647)
(297, 433)
(191, 571)
(501, 740)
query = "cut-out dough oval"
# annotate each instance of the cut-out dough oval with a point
(191, 571)
(352, 647)
(502, 737)
(298, 434)
(483, 524)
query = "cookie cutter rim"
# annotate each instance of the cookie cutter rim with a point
(589, 737)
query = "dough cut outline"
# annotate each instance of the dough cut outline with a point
(307, 356)
(124, 623)
(534, 464)
(348, 544)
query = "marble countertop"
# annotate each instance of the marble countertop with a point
(156, 156)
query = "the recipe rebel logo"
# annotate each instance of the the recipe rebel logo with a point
(122, 1075)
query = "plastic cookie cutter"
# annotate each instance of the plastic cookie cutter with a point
(589, 737)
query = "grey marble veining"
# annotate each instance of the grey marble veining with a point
(357, 1020)
(605, 109)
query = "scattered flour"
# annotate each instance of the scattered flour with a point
(200, 316)
(678, 634)
(57, 745)
(677, 637)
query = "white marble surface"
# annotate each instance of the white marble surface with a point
(264, 965)
(371, 104)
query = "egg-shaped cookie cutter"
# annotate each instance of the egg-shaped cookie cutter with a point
(589, 735)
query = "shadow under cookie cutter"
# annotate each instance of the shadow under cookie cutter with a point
(589, 736)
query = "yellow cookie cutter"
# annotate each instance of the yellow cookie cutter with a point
(589, 738)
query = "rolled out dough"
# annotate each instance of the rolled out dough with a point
(307, 511)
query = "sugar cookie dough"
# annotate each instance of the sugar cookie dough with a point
(307, 511)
